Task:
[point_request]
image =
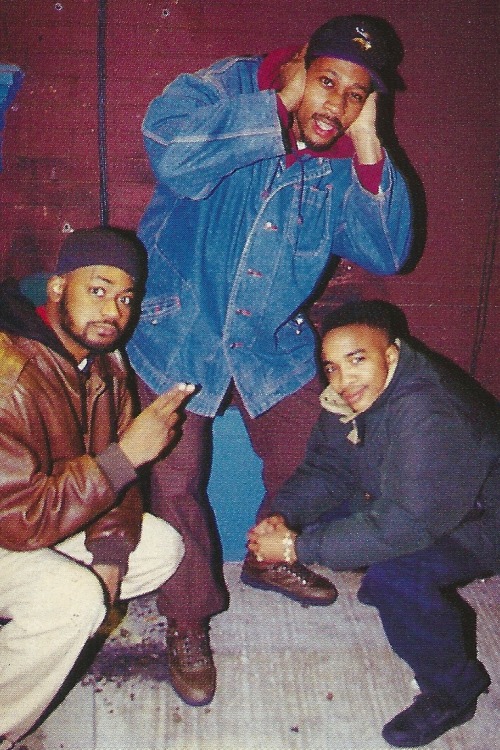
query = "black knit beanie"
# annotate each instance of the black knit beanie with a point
(103, 246)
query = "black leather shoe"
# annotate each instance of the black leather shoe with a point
(292, 580)
(190, 663)
(428, 717)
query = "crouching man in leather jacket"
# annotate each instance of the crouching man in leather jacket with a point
(73, 536)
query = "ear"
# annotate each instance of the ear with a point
(392, 354)
(55, 288)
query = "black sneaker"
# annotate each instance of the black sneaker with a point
(429, 716)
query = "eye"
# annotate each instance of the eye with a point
(357, 358)
(126, 299)
(329, 369)
(357, 97)
(326, 81)
(97, 291)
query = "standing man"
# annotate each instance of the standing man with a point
(266, 167)
(401, 475)
(73, 537)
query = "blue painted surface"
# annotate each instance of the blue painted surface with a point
(235, 488)
(34, 287)
(11, 78)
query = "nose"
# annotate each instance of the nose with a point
(345, 378)
(110, 309)
(335, 102)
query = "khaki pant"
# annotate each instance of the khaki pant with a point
(53, 604)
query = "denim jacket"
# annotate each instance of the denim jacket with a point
(237, 241)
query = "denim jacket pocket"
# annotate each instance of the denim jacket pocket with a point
(160, 334)
(309, 226)
(294, 334)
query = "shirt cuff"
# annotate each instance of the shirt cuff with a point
(117, 467)
(370, 175)
(110, 551)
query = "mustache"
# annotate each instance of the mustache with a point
(107, 323)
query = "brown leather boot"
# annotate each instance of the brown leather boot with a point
(290, 579)
(190, 662)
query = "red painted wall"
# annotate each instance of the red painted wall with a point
(445, 123)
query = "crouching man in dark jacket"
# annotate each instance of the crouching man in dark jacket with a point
(402, 474)
(73, 536)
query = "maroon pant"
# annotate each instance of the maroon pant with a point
(178, 493)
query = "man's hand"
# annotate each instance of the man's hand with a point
(267, 541)
(155, 427)
(110, 576)
(268, 525)
(293, 81)
(363, 133)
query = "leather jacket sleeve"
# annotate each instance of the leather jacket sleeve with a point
(114, 535)
(50, 488)
(40, 505)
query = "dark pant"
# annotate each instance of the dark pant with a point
(426, 622)
(178, 493)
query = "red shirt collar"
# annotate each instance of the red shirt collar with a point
(41, 311)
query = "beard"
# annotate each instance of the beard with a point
(68, 325)
(325, 145)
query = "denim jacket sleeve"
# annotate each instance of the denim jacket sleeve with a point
(376, 230)
(205, 126)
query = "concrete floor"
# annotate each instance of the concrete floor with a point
(289, 678)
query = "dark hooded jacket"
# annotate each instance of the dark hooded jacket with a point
(61, 467)
(421, 463)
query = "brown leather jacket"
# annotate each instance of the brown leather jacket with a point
(61, 469)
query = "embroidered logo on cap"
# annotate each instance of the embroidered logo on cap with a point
(363, 40)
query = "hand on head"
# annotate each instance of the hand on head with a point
(293, 81)
(363, 132)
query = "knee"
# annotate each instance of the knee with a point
(164, 543)
(172, 549)
(89, 603)
(75, 597)
(405, 580)
(380, 582)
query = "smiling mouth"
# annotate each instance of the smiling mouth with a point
(328, 125)
(354, 396)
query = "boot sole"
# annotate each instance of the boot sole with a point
(188, 700)
(305, 601)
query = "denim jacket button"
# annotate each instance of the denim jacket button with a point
(269, 226)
